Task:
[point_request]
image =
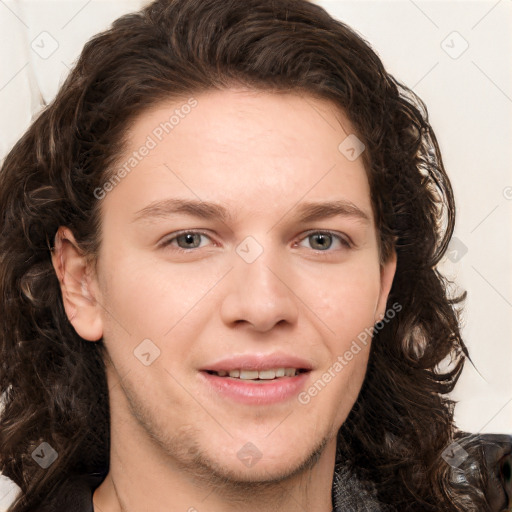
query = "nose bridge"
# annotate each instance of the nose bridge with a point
(260, 294)
(261, 267)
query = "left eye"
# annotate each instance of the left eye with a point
(323, 240)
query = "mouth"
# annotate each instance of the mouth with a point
(256, 379)
(270, 374)
(255, 391)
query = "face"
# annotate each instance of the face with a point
(243, 242)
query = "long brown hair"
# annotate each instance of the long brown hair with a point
(53, 382)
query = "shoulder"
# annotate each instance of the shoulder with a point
(483, 460)
(488, 458)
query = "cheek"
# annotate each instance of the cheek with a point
(346, 298)
(151, 296)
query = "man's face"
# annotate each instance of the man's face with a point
(184, 295)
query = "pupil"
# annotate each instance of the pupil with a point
(323, 241)
(189, 238)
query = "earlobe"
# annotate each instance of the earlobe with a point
(76, 283)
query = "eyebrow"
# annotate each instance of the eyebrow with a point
(312, 211)
(307, 212)
(192, 207)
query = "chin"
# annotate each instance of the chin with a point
(264, 465)
(263, 474)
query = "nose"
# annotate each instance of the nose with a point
(260, 294)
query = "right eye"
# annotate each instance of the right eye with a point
(185, 241)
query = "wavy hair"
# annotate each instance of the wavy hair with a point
(53, 382)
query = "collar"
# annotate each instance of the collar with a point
(349, 495)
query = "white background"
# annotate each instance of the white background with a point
(468, 92)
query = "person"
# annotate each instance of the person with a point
(219, 283)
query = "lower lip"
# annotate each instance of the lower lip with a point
(262, 392)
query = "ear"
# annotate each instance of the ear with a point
(387, 273)
(77, 285)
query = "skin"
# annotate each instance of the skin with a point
(174, 442)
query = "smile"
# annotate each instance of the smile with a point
(264, 387)
(270, 374)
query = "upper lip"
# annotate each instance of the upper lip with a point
(258, 362)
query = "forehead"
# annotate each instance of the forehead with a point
(251, 117)
(250, 146)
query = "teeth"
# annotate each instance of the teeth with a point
(248, 374)
(267, 374)
(261, 375)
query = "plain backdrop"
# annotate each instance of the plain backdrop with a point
(454, 54)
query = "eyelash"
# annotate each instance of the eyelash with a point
(344, 242)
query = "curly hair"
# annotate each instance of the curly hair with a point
(53, 381)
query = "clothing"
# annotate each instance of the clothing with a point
(348, 495)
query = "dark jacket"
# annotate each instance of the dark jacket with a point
(492, 452)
